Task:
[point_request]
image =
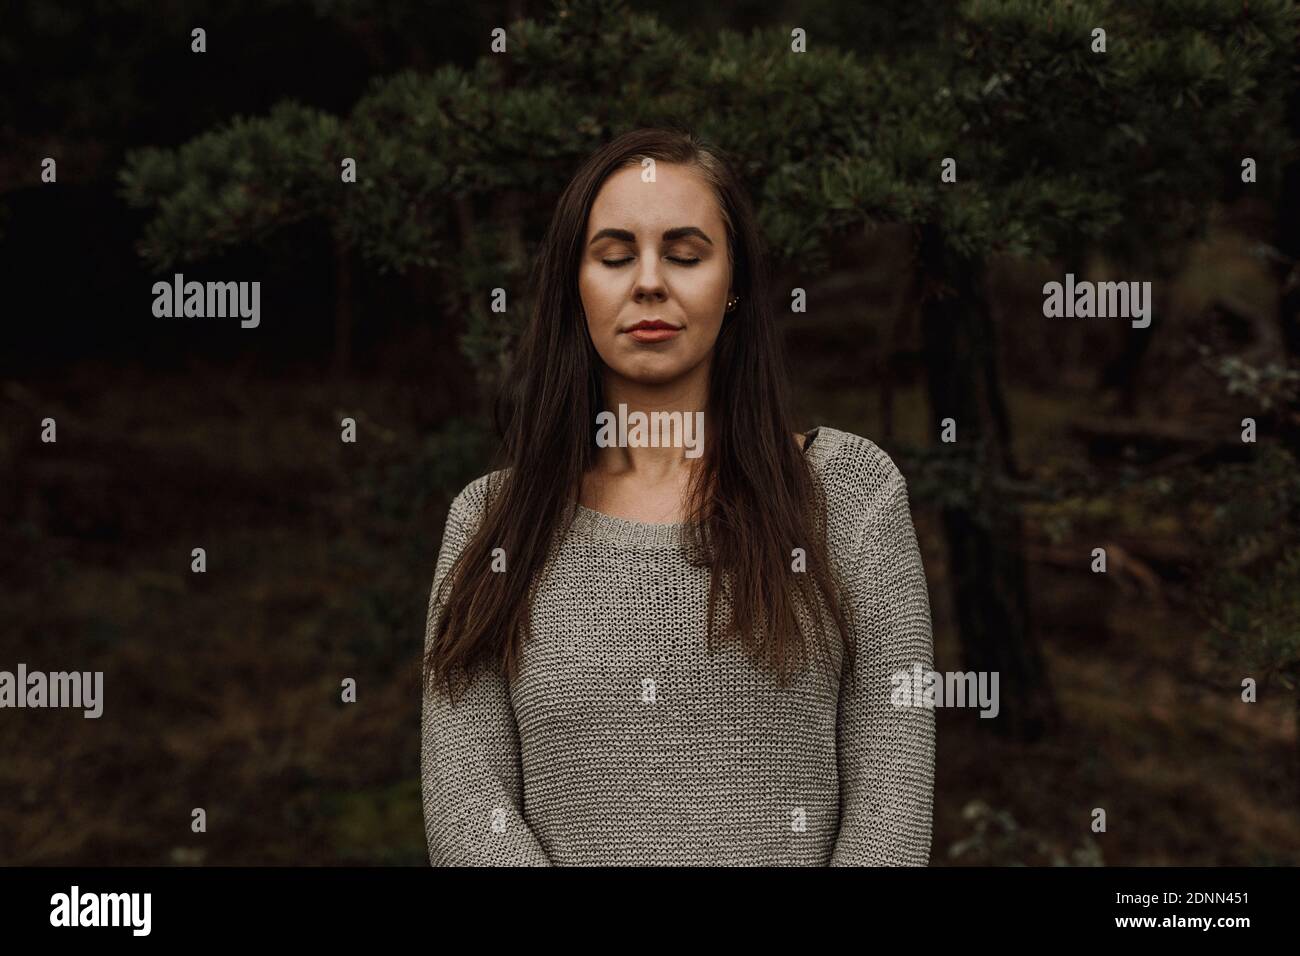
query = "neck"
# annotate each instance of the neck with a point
(685, 401)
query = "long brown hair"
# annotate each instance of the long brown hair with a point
(752, 496)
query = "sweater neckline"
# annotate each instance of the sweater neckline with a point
(604, 527)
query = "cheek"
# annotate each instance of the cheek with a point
(707, 329)
(598, 297)
(705, 304)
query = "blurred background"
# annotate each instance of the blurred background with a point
(1171, 157)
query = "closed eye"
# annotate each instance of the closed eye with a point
(615, 263)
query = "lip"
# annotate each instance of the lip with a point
(654, 330)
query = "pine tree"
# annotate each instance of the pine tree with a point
(1059, 148)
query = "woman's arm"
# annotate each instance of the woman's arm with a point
(469, 759)
(886, 753)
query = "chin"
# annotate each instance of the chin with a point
(658, 376)
(651, 370)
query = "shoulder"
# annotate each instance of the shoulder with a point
(861, 480)
(470, 504)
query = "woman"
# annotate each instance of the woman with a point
(672, 651)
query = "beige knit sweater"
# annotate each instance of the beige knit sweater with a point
(623, 742)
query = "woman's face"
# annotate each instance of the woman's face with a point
(655, 253)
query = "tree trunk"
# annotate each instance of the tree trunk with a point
(1295, 680)
(342, 309)
(987, 564)
(1287, 243)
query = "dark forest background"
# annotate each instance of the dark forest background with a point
(1121, 690)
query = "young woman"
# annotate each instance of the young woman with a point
(673, 651)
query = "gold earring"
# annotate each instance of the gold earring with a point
(731, 303)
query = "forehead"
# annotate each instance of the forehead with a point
(679, 196)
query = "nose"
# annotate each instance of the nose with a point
(649, 285)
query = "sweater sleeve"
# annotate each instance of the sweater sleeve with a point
(471, 775)
(886, 754)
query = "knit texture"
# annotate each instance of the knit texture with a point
(624, 742)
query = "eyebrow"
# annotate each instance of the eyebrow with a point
(680, 232)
